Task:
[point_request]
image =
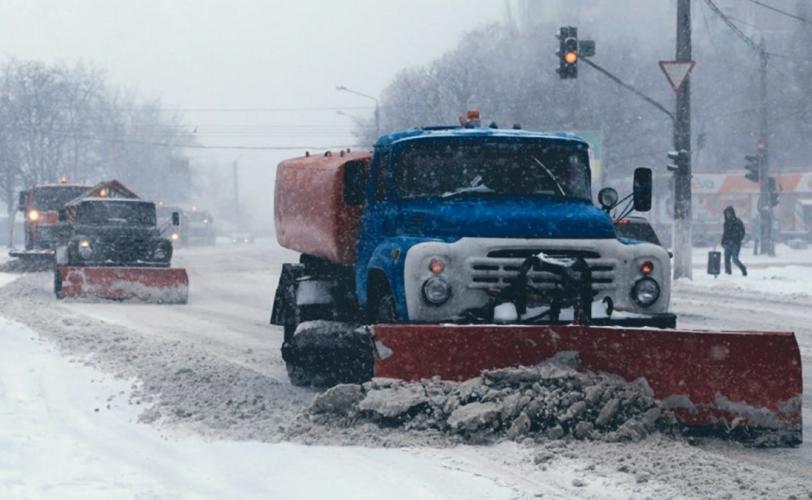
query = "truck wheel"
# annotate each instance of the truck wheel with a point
(298, 375)
(385, 311)
(57, 283)
(325, 353)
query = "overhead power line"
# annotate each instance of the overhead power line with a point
(164, 144)
(730, 24)
(263, 110)
(782, 12)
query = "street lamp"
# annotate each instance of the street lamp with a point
(342, 88)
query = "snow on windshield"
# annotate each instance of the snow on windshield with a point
(451, 168)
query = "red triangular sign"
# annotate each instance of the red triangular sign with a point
(677, 72)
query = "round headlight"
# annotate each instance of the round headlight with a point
(175, 236)
(163, 252)
(607, 197)
(646, 292)
(436, 291)
(33, 215)
(85, 249)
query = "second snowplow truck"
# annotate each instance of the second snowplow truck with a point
(116, 251)
(465, 249)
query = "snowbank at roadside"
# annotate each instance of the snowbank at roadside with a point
(68, 431)
(783, 280)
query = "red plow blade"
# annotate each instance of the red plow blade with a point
(728, 380)
(146, 284)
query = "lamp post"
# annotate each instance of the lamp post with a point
(342, 88)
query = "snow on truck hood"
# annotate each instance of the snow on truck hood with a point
(508, 217)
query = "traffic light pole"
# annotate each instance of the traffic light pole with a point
(765, 206)
(682, 142)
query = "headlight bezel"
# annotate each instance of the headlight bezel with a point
(85, 248)
(163, 251)
(432, 299)
(636, 292)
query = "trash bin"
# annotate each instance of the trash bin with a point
(714, 263)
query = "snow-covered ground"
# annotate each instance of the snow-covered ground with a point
(218, 405)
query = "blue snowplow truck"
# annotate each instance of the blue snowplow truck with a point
(453, 225)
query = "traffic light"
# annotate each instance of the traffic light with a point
(679, 161)
(753, 167)
(568, 52)
(774, 191)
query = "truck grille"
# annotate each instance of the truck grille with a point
(127, 250)
(500, 266)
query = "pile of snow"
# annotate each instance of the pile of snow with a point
(551, 400)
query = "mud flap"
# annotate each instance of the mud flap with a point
(146, 284)
(723, 380)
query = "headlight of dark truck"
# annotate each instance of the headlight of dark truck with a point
(163, 252)
(85, 248)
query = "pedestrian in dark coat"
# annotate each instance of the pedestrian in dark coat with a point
(732, 237)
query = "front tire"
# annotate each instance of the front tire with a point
(386, 311)
(326, 353)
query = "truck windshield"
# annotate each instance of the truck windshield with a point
(116, 213)
(53, 198)
(460, 168)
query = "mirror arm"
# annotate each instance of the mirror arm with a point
(629, 208)
(618, 202)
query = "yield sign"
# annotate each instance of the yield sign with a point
(677, 72)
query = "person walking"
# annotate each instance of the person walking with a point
(732, 237)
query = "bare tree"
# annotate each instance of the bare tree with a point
(59, 121)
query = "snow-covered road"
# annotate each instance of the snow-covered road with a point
(219, 404)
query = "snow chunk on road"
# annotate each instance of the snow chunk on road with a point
(552, 399)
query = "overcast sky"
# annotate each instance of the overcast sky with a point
(256, 54)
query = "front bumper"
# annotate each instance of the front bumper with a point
(475, 267)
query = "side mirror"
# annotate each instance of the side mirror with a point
(62, 214)
(642, 189)
(355, 182)
(175, 219)
(21, 201)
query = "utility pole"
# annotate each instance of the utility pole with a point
(682, 142)
(235, 166)
(765, 207)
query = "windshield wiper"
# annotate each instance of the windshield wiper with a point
(471, 189)
(551, 175)
(477, 186)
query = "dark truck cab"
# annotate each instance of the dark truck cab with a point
(114, 232)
